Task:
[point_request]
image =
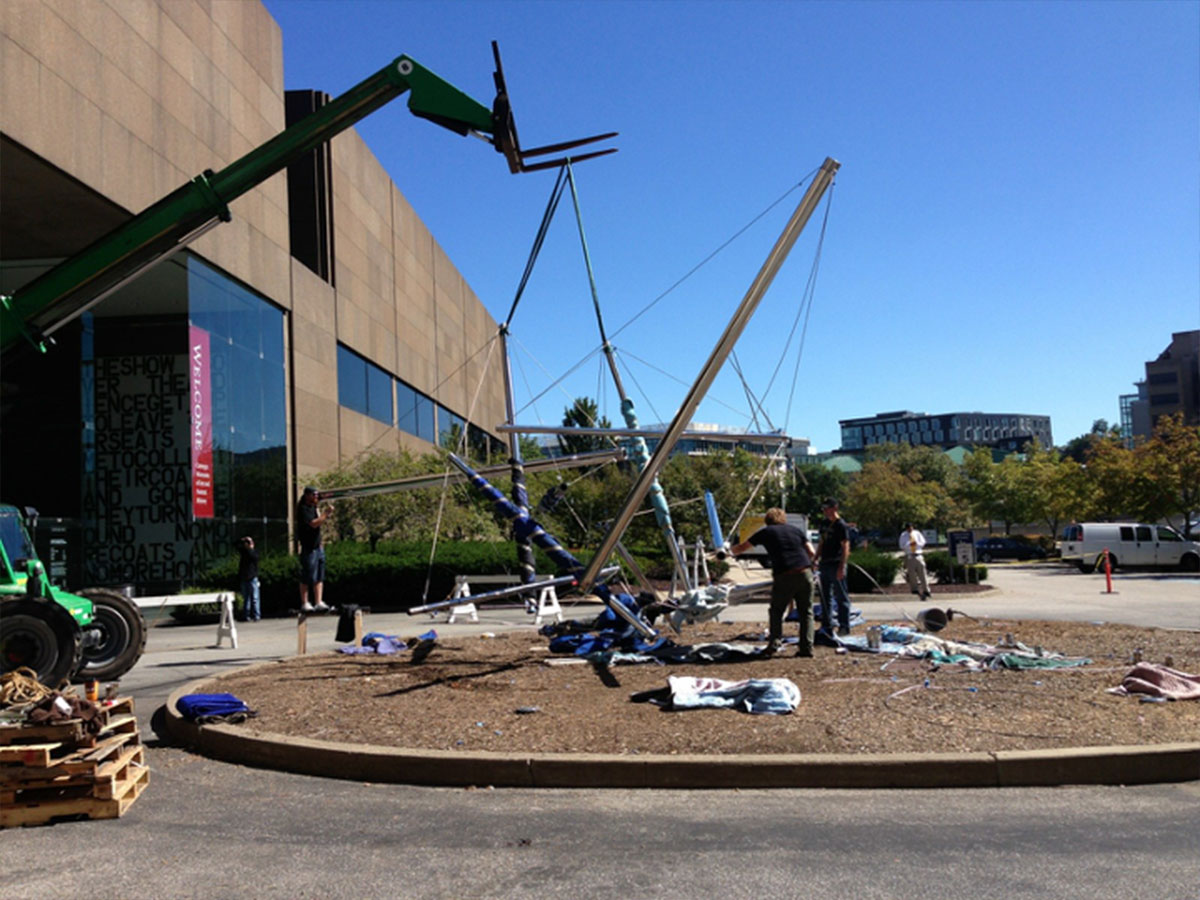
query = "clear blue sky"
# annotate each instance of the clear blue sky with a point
(1015, 227)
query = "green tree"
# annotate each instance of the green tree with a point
(1112, 479)
(530, 448)
(1169, 469)
(583, 413)
(1014, 499)
(1079, 448)
(881, 496)
(927, 463)
(1057, 486)
(579, 511)
(978, 488)
(371, 518)
(458, 512)
(813, 483)
(731, 477)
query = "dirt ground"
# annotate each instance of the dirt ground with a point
(466, 695)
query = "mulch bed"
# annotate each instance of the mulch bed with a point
(466, 695)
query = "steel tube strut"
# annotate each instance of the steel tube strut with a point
(417, 482)
(713, 436)
(708, 372)
(502, 593)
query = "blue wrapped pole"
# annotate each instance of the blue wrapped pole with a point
(526, 527)
(714, 522)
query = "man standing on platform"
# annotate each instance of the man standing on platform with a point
(309, 520)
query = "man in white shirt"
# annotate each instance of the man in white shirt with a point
(912, 542)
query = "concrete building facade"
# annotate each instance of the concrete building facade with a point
(105, 107)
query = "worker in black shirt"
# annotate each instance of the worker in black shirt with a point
(309, 519)
(248, 579)
(833, 556)
(791, 556)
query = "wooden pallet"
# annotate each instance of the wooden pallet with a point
(43, 811)
(55, 772)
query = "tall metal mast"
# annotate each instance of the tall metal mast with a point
(708, 372)
(638, 451)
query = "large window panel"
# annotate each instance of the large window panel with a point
(379, 394)
(363, 386)
(246, 401)
(450, 429)
(415, 412)
(352, 380)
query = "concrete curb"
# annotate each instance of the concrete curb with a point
(1150, 764)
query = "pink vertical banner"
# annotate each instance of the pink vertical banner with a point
(200, 405)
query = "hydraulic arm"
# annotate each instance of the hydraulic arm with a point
(36, 310)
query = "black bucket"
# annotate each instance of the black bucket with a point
(932, 619)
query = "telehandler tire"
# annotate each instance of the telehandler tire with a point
(42, 635)
(122, 636)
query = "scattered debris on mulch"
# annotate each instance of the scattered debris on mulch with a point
(507, 693)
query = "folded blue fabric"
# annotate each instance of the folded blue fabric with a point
(195, 707)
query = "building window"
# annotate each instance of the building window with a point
(1164, 399)
(364, 387)
(415, 413)
(449, 429)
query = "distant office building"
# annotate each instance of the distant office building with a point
(1003, 431)
(723, 439)
(1173, 382)
(1135, 414)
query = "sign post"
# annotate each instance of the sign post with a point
(962, 548)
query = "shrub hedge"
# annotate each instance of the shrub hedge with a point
(391, 578)
(881, 567)
(937, 564)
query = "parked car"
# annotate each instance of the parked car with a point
(988, 549)
(1128, 544)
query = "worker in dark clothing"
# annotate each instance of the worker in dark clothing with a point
(309, 519)
(834, 557)
(248, 578)
(792, 557)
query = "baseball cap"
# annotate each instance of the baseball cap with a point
(828, 501)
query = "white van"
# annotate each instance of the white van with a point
(1128, 544)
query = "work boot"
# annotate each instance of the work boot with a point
(771, 649)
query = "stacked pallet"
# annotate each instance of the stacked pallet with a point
(60, 771)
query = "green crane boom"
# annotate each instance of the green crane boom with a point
(50, 301)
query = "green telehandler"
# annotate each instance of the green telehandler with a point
(99, 633)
